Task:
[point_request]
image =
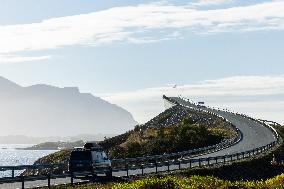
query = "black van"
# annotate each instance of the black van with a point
(91, 159)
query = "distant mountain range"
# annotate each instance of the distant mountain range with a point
(21, 139)
(43, 110)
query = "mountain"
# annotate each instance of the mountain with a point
(21, 139)
(43, 110)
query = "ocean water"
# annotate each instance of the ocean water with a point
(9, 155)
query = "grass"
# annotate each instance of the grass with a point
(192, 182)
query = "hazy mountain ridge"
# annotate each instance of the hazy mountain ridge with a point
(21, 139)
(43, 110)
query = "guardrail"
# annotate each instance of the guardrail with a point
(47, 177)
(181, 163)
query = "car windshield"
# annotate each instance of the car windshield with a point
(99, 156)
(80, 155)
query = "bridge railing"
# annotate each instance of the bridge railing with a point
(155, 166)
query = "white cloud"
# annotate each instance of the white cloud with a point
(211, 2)
(139, 24)
(14, 59)
(260, 96)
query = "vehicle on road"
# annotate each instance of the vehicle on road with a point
(91, 158)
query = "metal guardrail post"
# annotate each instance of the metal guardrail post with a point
(23, 182)
(179, 164)
(199, 162)
(126, 167)
(190, 163)
(72, 179)
(156, 164)
(224, 159)
(208, 161)
(13, 172)
(168, 164)
(127, 171)
(48, 181)
(216, 159)
(142, 169)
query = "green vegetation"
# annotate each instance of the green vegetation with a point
(151, 141)
(167, 140)
(176, 129)
(57, 157)
(193, 182)
(56, 145)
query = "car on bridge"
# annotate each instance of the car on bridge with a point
(91, 158)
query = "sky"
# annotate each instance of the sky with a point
(228, 53)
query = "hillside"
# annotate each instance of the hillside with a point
(56, 145)
(176, 129)
(43, 110)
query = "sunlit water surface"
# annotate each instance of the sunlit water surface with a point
(9, 155)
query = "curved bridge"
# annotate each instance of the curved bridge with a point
(255, 134)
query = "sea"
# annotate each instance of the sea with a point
(11, 155)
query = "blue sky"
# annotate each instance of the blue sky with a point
(123, 49)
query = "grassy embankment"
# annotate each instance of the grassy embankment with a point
(193, 182)
(248, 174)
(174, 130)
